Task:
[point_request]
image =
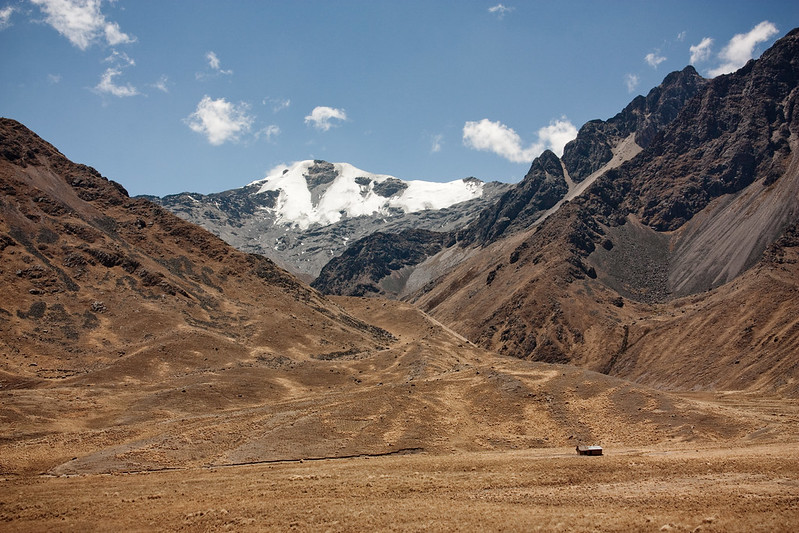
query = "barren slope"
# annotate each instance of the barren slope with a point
(93, 279)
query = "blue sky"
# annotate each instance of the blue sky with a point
(208, 95)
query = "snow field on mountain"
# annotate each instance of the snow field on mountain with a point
(345, 196)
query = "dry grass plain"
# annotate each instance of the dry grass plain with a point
(430, 433)
(748, 488)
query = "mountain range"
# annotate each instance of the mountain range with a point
(135, 341)
(640, 292)
(681, 193)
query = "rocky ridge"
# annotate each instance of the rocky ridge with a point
(695, 211)
(549, 182)
(382, 261)
(644, 117)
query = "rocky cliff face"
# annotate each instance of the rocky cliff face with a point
(550, 179)
(379, 264)
(722, 177)
(543, 187)
(644, 117)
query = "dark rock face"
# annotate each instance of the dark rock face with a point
(362, 266)
(734, 132)
(727, 156)
(390, 187)
(644, 116)
(545, 184)
(237, 204)
(542, 187)
(321, 173)
(779, 252)
(590, 150)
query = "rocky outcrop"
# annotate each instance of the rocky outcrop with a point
(545, 184)
(374, 265)
(542, 187)
(644, 117)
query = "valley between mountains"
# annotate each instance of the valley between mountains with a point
(639, 292)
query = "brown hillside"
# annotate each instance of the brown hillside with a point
(93, 279)
(692, 212)
(430, 392)
(744, 335)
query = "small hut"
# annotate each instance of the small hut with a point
(589, 450)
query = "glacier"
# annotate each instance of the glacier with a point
(352, 193)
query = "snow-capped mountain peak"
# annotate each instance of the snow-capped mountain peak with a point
(318, 192)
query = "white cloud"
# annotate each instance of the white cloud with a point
(631, 81)
(120, 58)
(214, 63)
(54, 78)
(654, 59)
(500, 10)
(741, 48)
(681, 36)
(496, 137)
(701, 52)
(81, 22)
(557, 135)
(321, 116)
(115, 36)
(437, 144)
(161, 84)
(118, 61)
(107, 85)
(213, 60)
(268, 132)
(5, 16)
(279, 105)
(219, 120)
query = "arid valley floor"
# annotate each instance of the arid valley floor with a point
(419, 449)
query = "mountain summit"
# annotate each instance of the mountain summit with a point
(303, 214)
(321, 193)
